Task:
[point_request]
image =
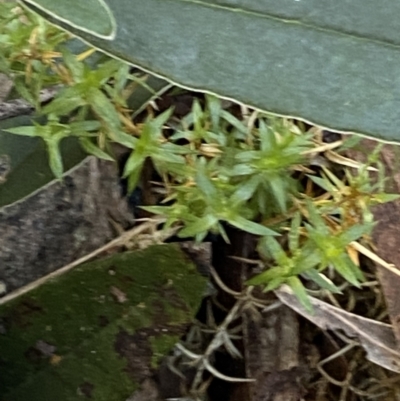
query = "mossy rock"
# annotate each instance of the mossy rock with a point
(100, 330)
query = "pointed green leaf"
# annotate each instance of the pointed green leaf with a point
(134, 161)
(268, 276)
(383, 198)
(214, 107)
(200, 225)
(78, 127)
(298, 288)
(94, 150)
(103, 107)
(275, 250)
(75, 67)
(355, 232)
(294, 233)
(245, 190)
(23, 90)
(123, 138)
(321, 182)
(25, 131)
(205, 184)
(250, 226)
(55, 158)
(29, 163)
(274, 284)
(134, 177)
(242, 169)
(63, 104)
(321, 280)
(348, 270)
(267, 138)
(161, 119)
(278, 187)
(316, 220)
(231, 119)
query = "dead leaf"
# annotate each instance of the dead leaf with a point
(375, 337)
(118, 295)
(44, 348)
(345, 161)
(55, 359)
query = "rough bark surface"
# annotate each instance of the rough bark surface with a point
(60, 223)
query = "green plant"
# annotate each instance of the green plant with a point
(253, 173)
(92, 103)
(329, 65)
(244, 183)
(222, 165)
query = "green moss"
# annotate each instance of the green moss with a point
(94, 334)
(160, 347)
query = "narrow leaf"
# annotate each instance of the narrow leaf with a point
(94, 150)
(103, 107)
(55, 159)
(298, 288)
(25, 131)
(200, 225)
(250, 226)
(321, 280)
(245, 190)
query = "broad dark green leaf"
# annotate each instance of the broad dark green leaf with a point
(29, 163)
(333, 63)
(92, 16)
(101, 326)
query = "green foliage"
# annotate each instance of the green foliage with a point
(53, 132)
(28, 50)
(92, 104)
(331, 246)
(233, 173)
(301, 259)
(321, 233)
(334, 66)
(277, 151)
(217, 169)
(150, 145)
(92, 16)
